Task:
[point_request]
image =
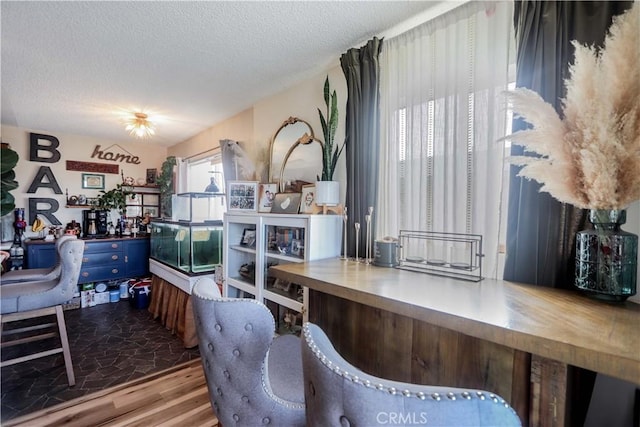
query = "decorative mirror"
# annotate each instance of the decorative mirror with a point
(293, 155)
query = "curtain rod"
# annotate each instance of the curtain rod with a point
(200, 153)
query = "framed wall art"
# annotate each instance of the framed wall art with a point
(267, 193)
(93, 181)
(308, 200)
(286, 203)
(152, 176)
(243, 196)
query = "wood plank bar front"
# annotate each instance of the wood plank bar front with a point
(416, 327)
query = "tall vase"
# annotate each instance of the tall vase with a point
(607, 257)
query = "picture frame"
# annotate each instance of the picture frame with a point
(242, 196)
(267, 195)
(286, 203)
(151, 210)
(308, 200)
(297, 247)
(248, 237)
(152, 176)
(93, 181)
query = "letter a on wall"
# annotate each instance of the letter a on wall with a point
(51, 183)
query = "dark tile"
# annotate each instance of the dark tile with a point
(110, 345)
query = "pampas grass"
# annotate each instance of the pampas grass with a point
(590, 158)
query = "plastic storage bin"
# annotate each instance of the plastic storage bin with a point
(140, 295)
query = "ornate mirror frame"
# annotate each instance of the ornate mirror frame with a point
(305, 139)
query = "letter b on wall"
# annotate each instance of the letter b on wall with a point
(36, 148)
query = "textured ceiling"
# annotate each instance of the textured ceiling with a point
(70, 67)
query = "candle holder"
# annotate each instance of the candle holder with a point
(357, 227)
(369, 242)
(344, 232)
(367, 249)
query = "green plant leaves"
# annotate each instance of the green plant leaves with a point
(329, 126)
(8, 161)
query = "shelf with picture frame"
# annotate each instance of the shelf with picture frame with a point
(254, 241)
(143, 200)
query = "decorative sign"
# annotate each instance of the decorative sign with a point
(114, 156)
(73, 165)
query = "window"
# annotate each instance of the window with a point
(442, 113)
(201, 174)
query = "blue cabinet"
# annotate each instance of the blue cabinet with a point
(40, 254)
(103, 259)
(136, 257)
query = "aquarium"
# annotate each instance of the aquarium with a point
(198, 207)
(188, 247)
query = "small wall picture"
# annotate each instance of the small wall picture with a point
(152, 176)
(308, 200)
(243, 196)
(248, 237)
(286, 203)
(93, 181)
(266, 197)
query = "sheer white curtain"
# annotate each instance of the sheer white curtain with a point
(441, 167)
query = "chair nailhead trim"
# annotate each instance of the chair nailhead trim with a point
(306, 333)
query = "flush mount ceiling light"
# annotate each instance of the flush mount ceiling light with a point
(140, 126)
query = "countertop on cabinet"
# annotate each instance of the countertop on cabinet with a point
(557, 324)
(89, 239)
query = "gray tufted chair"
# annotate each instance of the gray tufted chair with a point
(253, 378)
(34, 299)
(338, 394)
(39, 274)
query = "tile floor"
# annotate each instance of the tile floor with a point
(110, 344)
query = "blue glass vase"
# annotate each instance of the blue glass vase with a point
(607, 257)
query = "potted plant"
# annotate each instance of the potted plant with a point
(328, 190)
(8, 160)
(115, 198)
(115, 201)
(165, 185)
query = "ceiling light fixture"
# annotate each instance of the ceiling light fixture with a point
(140, 126)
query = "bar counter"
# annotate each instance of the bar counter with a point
(473, 333)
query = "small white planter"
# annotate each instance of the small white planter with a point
(327, 193)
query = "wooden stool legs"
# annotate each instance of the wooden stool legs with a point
(62, 332)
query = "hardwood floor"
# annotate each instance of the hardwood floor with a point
(173, 397)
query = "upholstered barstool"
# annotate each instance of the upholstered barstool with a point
(37, 274)
(339, 394)
(253, 377)
(34, 299)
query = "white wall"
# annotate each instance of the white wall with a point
(256, 126)
(79, 148)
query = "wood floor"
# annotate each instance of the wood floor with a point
(174, 397)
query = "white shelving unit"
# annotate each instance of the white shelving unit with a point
(253, 242)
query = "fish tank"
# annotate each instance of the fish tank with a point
(191, 248)
(198, 207)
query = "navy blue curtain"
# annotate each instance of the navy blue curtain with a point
(540, 230)
(362, 72)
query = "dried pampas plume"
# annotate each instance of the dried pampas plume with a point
(591, 157)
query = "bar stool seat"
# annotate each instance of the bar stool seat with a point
(20, 301)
